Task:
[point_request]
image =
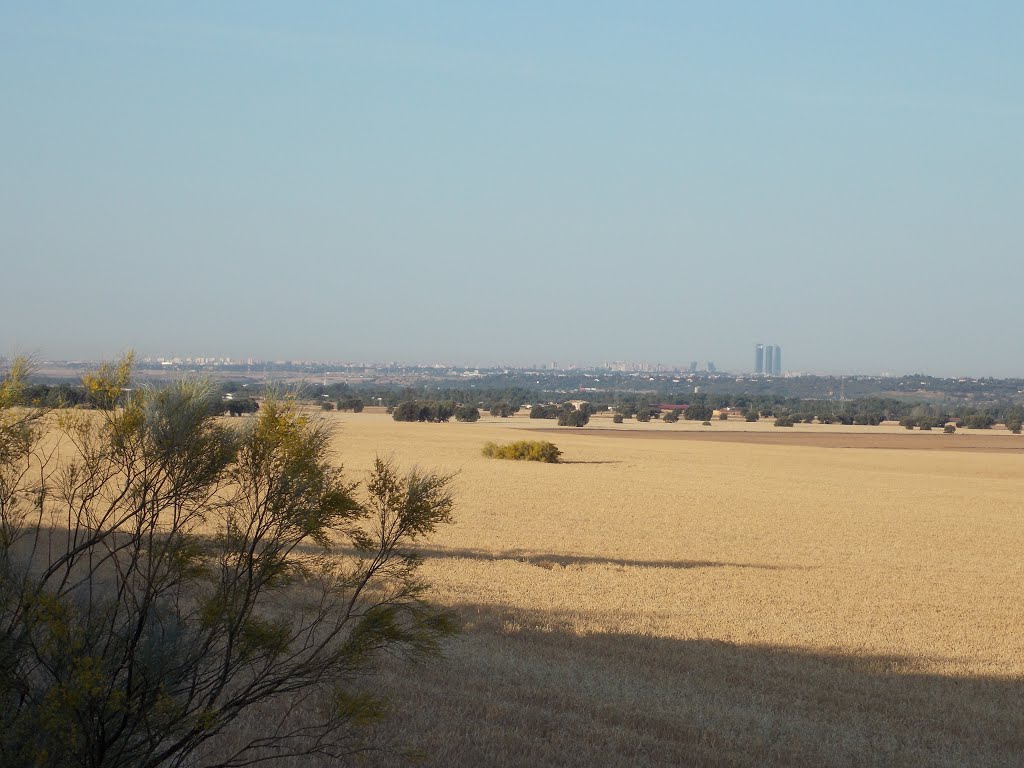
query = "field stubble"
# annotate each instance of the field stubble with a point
(663, 602)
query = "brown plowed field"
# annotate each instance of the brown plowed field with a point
(829, 437)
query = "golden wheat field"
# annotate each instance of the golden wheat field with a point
(695, 602)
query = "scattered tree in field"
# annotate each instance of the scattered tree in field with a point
(467, 413)
(617, 418)
(699, 412)
(327, 405)
(523, 450)
(503, 410)
(784, 421)
(573, 418)
(1014, 425)
(171, 573)
(545, 412)
(979, 420)
(424, 410)
(949, 429)
(671, 416)
(723, 417)
(239, 406)
(353, 404)
(751, 416)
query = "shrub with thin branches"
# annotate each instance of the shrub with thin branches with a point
(524, 450)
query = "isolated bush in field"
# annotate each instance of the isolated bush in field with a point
(671, 416)
(1014, 426)
(523, 450)
(706, 423)
(949, 429)
(751, 416)
(723, 417)
(784, 421)
(617, 418)
(172, 574)
(327, 405)
(908, 423)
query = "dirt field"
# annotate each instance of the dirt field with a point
(743, 598)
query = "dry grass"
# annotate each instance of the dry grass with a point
(664, 602)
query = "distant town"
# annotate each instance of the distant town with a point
(766, 378)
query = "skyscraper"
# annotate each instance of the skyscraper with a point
(777, 362)
(769, 362)
(759, 359)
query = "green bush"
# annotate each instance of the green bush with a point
(523, 450)
(949, 429)
(752, 416)
(1014, 425)
(671, 417)
(784, 421)
(617, 418)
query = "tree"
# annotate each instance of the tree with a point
(467, 413)
(353, 404)
(164, 573)
(671, 416)
(751, 416)
(408, 410)
(238, 406)
(698, 412)
(573, 418)
(503, 410)
(979, 420)
(1014, 425)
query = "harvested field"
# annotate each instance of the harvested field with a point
(743, 598)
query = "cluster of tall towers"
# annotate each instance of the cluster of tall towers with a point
(768, 360)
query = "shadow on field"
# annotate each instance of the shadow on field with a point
(524, 689)
(547, 560)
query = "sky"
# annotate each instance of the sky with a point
(516, 183)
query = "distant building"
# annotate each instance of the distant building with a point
(759, 359)
(769, 359)
(777, 362)
(693, 366)
(728, 412)
(711, 367)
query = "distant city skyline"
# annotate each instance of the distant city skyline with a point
(634, 366)
(516, 183)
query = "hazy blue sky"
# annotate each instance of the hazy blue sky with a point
(516, 182)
